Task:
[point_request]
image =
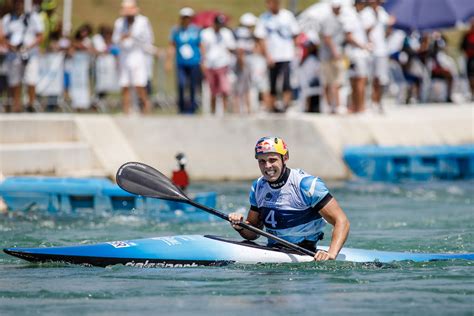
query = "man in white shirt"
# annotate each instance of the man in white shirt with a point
(376, 21)
(332, 34)
(24, 33)
(276, 31)
(217, 45)
(134, 35)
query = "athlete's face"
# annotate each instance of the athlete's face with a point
(271, 166)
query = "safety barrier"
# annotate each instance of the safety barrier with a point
(73, 195)
(411, 162)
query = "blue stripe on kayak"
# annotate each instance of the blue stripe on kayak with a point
(191, 248)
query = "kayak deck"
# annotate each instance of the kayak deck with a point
(198, 250)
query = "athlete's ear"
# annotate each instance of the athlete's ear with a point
(285, 158)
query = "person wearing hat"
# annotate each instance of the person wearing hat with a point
(184, 45)
(291, 204)
(218, 44)
(276, 31)
(134, 36)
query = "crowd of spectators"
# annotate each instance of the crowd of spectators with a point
(335, 58)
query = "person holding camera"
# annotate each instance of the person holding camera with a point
(24, 33)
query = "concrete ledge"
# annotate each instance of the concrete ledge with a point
(107, 141)
(48, 158)
(41, 128)
(220, 148)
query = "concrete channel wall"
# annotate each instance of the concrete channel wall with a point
(218, 148)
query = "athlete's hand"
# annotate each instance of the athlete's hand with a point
(236, 218)
(322, 255)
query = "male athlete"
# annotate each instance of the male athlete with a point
(291, 204)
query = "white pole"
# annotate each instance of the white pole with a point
(67, 17)
(28, 5)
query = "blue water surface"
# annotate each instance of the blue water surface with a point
(420, 217)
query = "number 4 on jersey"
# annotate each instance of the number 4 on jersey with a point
(270, 219)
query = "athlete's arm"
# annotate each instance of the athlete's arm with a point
(252, 219)
(334, 215)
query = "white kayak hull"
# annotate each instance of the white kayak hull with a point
(198, 250)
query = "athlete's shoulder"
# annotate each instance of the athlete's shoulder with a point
(260, 182)
(307, 180)
(313, 189)
(255, 184)
(253, 191)
(299, 173)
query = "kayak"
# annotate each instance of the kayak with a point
(199, 250)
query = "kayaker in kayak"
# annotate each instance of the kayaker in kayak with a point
(291, 204)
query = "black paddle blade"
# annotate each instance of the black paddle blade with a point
(141, 179)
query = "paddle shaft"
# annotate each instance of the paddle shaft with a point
(141, 179)
(253, 229)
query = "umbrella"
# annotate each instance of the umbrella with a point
(429, 14)
(206, 18)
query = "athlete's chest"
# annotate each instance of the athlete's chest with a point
(284, 198)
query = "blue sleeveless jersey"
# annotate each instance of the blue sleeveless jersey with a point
(291, 211)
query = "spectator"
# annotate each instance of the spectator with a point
(376, 21)
(276, 31)
(78, 67)
(260, 77)
(51, 22)
(184, 44)
(245, 49)
(106, 65)
(24, 33)
(358, 52)
(412, 66)
(102, 41)
(3, 69)
(309, 73)
(440, 60)
(332, 64)
(82, 39)
(217, 45)
(467, 47)
(133, 34)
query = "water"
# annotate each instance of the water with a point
(420, 217)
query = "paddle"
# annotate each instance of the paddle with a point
(141, 179)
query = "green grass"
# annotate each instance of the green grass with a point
(163, 14)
